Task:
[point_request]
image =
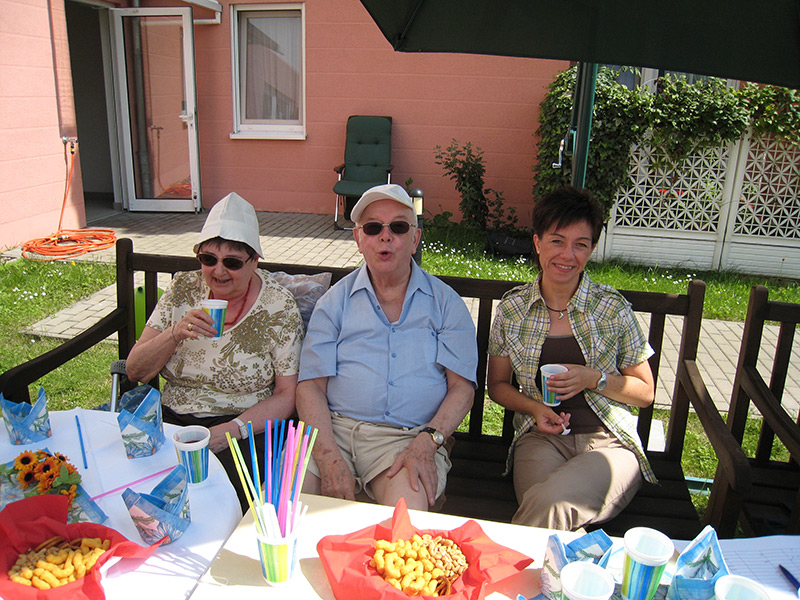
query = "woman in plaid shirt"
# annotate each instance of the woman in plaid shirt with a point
(581, 462)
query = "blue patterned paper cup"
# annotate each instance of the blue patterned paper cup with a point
(279, 558)
(191, 445)
(584, 580)
(216, 310)
(548, 397)
(647, 553)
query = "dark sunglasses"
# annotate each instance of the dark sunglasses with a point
(229, 262)
(396, 227)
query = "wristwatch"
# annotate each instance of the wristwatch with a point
(601, 383)
(437, 436)
(242, 428)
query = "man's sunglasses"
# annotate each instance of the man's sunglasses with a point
(229, 262)
(396, 227)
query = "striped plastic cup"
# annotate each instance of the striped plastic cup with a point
(217, 310)
(279, 557)
(647, 553)
(191, 445)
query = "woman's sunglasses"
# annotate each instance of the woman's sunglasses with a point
(374, 228)
(229, 262)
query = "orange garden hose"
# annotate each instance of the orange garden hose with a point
(69, 243)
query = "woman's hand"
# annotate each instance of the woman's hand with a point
(548, 421)
(219, 441)
(573, 382)
(197, 322)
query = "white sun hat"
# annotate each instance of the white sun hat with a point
(232, 218)
(387, 191)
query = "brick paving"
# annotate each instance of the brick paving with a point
(311, 239)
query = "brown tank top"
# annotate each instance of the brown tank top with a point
(564, 349)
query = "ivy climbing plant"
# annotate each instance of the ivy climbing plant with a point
(680, 119)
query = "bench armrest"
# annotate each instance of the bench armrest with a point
(733, 479)
(14, 382)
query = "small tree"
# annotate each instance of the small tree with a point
(480, 207)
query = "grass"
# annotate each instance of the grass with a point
(31, 291)
(459, 252)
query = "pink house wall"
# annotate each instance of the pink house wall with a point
(492, 102)
(36, 110)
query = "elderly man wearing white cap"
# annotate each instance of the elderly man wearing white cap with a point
(249, 372)
(387, 370)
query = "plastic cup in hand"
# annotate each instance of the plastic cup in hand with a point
(583, 580)
(647, 553)
(735, 587)
(216, 309)
(191, 445)
(279, 557)
(548, 397)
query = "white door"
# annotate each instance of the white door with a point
(153, 53)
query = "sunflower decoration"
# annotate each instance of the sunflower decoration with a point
(41, 472)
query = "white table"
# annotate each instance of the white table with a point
(173, 570)
(236, 572)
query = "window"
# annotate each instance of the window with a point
(268, 71)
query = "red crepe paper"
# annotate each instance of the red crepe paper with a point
(346, 560)
(27, 523)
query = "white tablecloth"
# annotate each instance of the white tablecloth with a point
(236, 572)
(173, 570)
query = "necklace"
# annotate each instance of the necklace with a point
(556, 310)
(244, 302)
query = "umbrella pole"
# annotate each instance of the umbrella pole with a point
(582, 107)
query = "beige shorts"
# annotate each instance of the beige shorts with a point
(370, 448)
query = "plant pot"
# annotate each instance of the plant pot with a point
(504, 245)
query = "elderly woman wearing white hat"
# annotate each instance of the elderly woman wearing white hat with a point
(249, 373)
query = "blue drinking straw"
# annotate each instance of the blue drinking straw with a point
(80, 439)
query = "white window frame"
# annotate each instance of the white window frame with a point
(290, 130)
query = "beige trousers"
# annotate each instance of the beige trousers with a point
(567, 482)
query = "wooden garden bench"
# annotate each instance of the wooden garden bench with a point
(772, 505)
(475, 485)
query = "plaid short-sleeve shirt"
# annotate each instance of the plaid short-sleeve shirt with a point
(609, 337)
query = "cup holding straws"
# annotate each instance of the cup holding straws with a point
(276, 506)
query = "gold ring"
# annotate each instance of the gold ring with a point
(190, 326)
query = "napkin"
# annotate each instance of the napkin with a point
(26, 423)
(346, 559)
(593, 547)
(164, 512)
(81, 509)
(29, 522)
(699, 566)
(142, 431)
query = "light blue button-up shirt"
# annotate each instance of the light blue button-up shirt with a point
(382, 372)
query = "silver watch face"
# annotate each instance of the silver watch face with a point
(601, 384)
(438, 438)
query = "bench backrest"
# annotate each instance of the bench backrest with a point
(657, 305)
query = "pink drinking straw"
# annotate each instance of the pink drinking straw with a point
(132, 483)
(288, 450)
(298, 477)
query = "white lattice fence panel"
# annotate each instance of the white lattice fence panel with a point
(770, 202)
(688, 198)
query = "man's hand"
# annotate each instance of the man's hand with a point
(336, 479)
(418, 460)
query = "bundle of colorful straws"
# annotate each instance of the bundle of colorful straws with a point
(276, 506)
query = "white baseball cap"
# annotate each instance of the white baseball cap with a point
(232, 218)
(387, 191)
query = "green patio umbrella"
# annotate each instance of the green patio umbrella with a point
(748, 40)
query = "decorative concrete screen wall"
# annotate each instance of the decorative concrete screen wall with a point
(735, 208)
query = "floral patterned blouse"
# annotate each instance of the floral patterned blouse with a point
(229, 374)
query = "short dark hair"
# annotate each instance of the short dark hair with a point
(566, 206)
(236, 245)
